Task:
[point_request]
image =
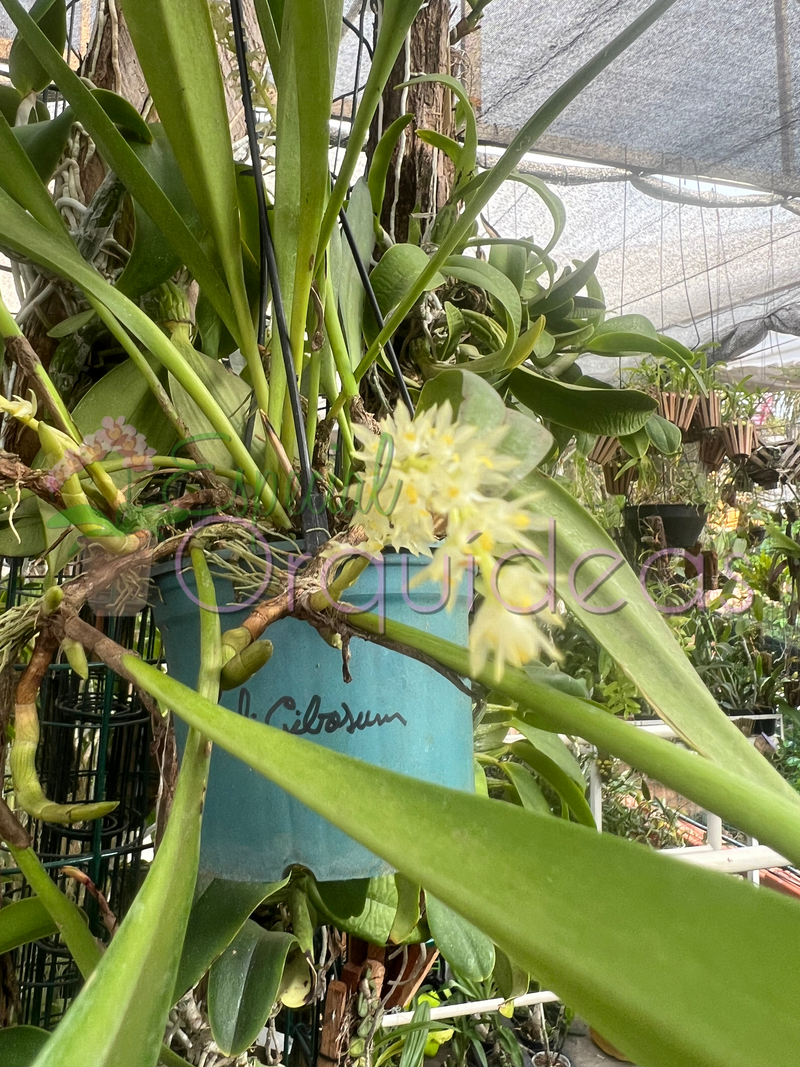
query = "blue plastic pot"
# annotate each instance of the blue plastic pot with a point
(396, 713)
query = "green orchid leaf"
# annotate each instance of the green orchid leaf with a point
(381, 159)
(468, 951)
(243, 985)
(20, 1045)
(530, 795)
(29, 538)
(554, 748)
(23, 921)
(611, 412)
(176, 47)
(304, 82)
(552, 202)
(26, 72)
(343, 899)
(124, 116)
(120, 1015)
(219, 911)
(526, 440)
(483, 275)
(44, 144)
(347, 283)
(467, 157)
(374, 921)
(451, 148)
(511, 980)
(565, 288)
(71, 325)
(21, 180)
(556, 911)
(10, 99)
(572, 795)
(406, 920)
(511, 260)
(564, 682)
(153, 259)
(471, 399)
(392, 277)
(664, 436)
(119, 155)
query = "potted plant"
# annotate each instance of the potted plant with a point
(252, 450)
(739, 406)
(673, 490)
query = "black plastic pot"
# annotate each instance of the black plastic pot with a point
(683, 523)
(753, 726)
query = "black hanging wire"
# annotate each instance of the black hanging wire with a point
(391, 355)
(313, 515)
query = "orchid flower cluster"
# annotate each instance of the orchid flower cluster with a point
(431, 474)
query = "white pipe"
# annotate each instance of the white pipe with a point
(731, 860)
(474, 1007)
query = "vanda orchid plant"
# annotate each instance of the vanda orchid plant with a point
(671, 963)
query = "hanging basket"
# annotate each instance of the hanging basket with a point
(739, 439)
(396, 713)
(712, 450)
(605, 449)
(707, 413)
(677, 408)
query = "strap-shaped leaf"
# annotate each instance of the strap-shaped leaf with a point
(175, 44)
(596, 411)
(382, 157)
(19, 178)
(119, 155)
(548, 891)
(243, 985)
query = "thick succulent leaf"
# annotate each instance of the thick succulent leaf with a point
(243, 985)
(407, 918)
(26, 72)
(511, 980)
(124, 116)
(468, 951)
(44, 142)
(552, 202)
(556, 909)
(530, 795)
(568, 285)
(572, 796)
(29, 539)
(10, 99)
(611, 412)
(23, 921)
(511, 260)
(553, 747)
(20, 1045)
(219, 911)
(471, 399)
(374, 920)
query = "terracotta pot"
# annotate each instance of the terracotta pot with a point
(739, 438)
(605, 448)
(678, 408)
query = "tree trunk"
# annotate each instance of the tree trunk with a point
(425, 174)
